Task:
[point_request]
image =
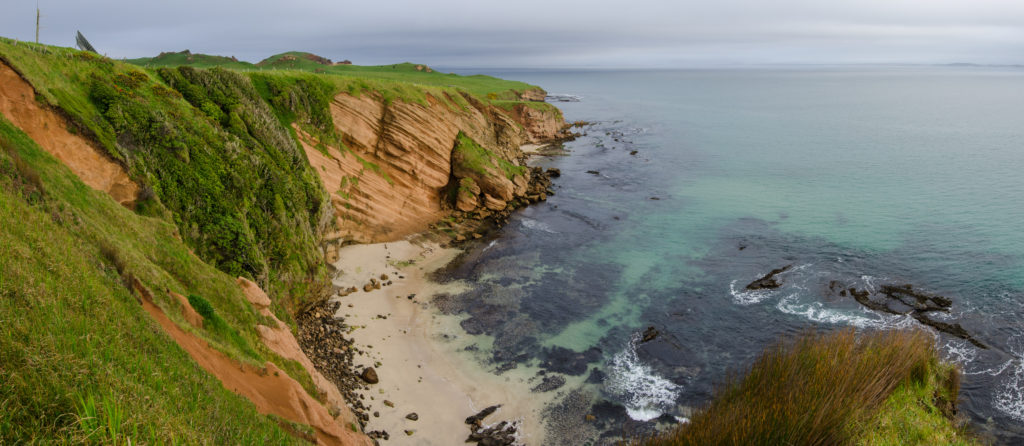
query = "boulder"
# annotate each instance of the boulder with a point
(369, 375)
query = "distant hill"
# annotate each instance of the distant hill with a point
(186, 57)
(405, 72)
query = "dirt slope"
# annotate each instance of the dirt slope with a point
(49, 130)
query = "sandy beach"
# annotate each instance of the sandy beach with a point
(419, 354)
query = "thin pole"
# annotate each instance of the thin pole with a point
(37, 22)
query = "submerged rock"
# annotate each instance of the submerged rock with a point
(649, 334)
(549, 383)
(904, 300)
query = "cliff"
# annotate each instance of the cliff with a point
(122, 191)
(404, 165)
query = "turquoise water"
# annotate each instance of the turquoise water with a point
(863, 176)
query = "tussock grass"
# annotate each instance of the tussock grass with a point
(816, 389)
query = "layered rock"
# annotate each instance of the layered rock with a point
(400, 169)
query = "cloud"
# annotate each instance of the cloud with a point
(544, 32)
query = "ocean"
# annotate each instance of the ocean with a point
(684, 186)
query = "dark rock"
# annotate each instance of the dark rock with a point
(389, 403)
(554, 172)
(649, 334)
(593, 172)
(596, 376)
(412, 416)
(568, 361)
(369, 375)
(768, 281)
(904, 300)
(476, 420)
(502, 434)
(633, 152)
(549, 383)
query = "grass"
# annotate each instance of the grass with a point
(402, 73)
(478, 159)
(221, 161)
(80, 360)
(839, 388)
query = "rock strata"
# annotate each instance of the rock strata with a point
(904, 300)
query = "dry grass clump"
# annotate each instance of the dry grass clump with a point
(809, 391)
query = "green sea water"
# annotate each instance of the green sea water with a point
(686, 185)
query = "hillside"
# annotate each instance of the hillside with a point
(146, 210)
(480, 85)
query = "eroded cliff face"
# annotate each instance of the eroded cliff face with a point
(50, 130)
(396, 175)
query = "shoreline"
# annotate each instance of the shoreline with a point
(419, 354)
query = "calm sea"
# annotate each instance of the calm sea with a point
(702, 181)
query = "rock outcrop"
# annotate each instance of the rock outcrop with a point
(400, 171)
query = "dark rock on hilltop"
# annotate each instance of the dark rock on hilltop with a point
(769, 280)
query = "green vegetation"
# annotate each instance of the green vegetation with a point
(478, 159)
(841, 388)
(395, 74)
(213, 152)
(80, 360)
(187, 58)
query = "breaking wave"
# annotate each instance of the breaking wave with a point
(644, 394)
(1010, 396)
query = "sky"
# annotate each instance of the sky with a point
(542, 33)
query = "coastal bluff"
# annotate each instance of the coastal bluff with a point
(405, 165)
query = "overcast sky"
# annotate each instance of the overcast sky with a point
(542, 33)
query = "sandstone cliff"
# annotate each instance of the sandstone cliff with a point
(405, 165)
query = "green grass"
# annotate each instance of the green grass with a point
(478, 159)
(480, 85)
(221, 161)
(187, 58)
(840, 388)
(80, 360)
(917, 412)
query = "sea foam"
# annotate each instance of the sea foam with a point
(645, 394)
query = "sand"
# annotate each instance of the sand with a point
(531, 149)
(423, 367)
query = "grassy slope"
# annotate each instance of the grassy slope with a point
(875, 388)
(75, 343)
(479, 85)
(211, 149)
